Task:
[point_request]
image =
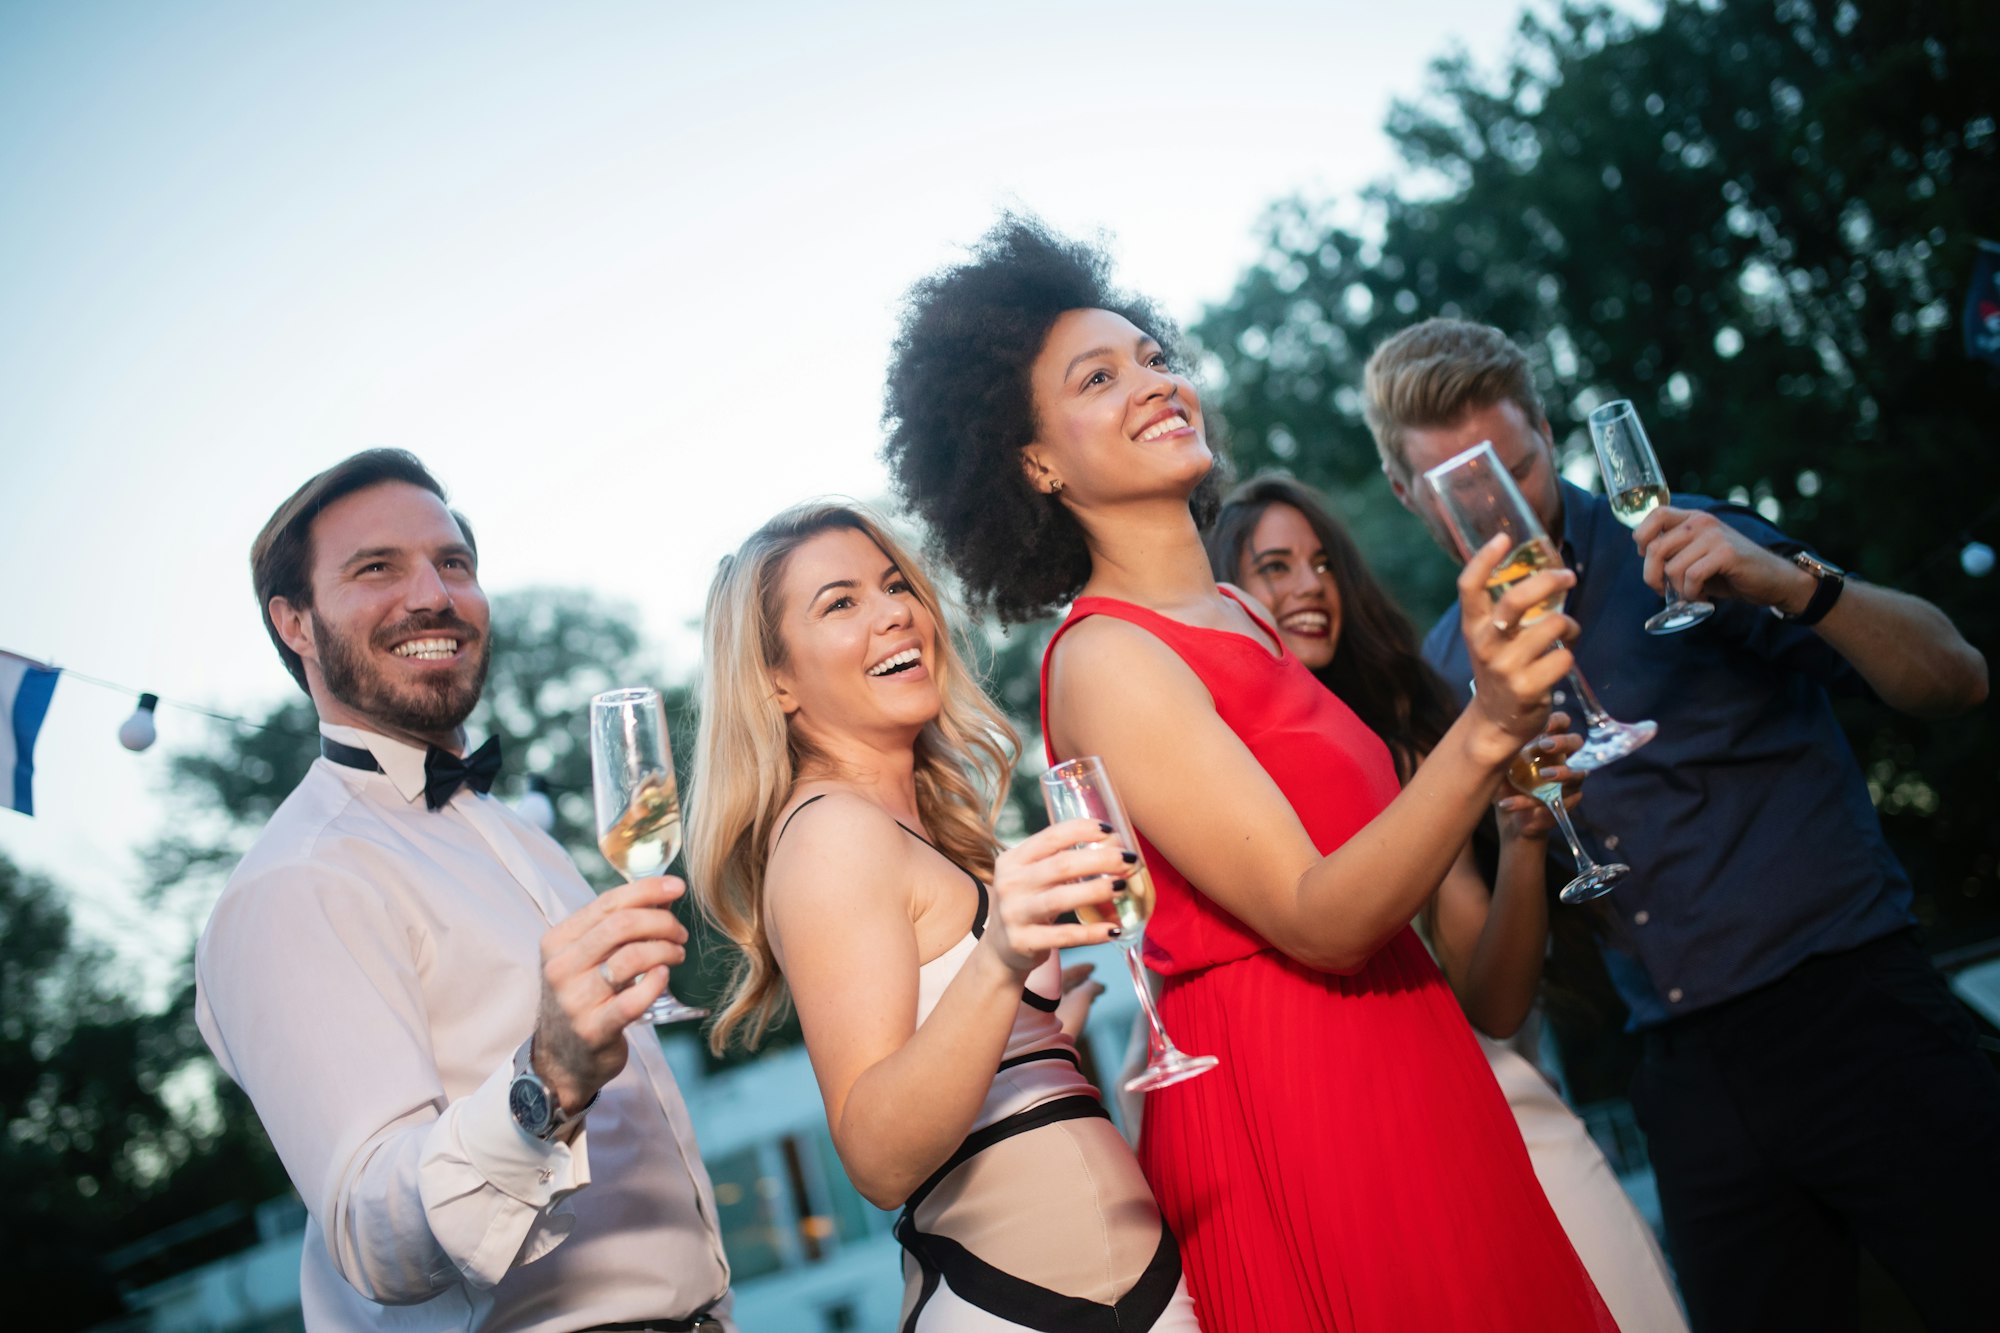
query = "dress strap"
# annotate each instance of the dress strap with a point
(794, 815)
(1277, 640)
(1174, 633)
(978, 917)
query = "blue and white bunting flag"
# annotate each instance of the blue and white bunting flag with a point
(1982, 305)
(25, 689)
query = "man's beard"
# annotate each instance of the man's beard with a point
(438, 704)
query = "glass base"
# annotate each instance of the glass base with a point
(1593, 883)
(667, 1009)
(1169, 1067)
(1679, 616)
(1611, 742)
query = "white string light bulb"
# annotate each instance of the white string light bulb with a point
(138, 732)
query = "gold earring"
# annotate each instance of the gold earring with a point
(1055, 486)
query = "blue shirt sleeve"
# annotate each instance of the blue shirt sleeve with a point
(1783, 643)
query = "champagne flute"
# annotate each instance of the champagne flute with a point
(1079, 789)
(1482, 501)
(638, 804)
(1633, 480)
(1529, 773)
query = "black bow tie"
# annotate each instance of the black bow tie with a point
(444, 772)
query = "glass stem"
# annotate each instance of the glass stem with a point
(1584, 865)
(1156, 1041)
(1594, 716)
(1673, 596)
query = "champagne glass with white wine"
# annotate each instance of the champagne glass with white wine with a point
(638, 804)
(1636, 486)
(1482, 501)
(1531, 773)
(1079, 789)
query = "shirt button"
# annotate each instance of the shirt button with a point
(548, 1175)
(1641, 917)
(1611, 841)
(1674, 995)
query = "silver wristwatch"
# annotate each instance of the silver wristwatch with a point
(533, 1103)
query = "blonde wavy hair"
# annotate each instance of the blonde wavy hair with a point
(748, 757)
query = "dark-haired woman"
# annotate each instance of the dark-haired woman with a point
(1276, 540)
(1351, 1165)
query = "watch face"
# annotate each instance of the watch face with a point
(529, 1103)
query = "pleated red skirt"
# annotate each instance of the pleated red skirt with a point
(1351, 1164)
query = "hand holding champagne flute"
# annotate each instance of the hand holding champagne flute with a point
(1636, 485)
(1080, 789)
(1482, 502)
(638, 804)
(1540, 771)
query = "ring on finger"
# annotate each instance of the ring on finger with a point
(1505, 627)
(604, 970)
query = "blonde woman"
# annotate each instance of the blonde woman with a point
(847, 777)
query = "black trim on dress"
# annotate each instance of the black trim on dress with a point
(1000, 1293)
(1046, 1053)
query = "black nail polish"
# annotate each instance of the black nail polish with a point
(1106, 827)
(1116, 932)
(1118, 886)
(1131, 858)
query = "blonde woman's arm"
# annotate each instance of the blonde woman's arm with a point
(900, 1097)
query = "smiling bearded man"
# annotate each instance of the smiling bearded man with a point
(417, 990)
(437, 702)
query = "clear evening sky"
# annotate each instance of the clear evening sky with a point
(623, 274)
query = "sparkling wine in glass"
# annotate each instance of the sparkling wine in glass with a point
(638, 805)
(1482, 501)
(1079, 789)
(1633, 480)
(1529, 773)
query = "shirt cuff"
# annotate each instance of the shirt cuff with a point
(535, 1171)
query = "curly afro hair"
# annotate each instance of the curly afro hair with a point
(959, 410)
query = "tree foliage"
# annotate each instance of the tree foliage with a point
(94, 1151)
(1755, 220)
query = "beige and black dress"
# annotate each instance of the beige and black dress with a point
(1041, 1219)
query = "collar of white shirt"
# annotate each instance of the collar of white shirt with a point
(401, 761)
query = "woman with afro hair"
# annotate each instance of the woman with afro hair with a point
(1351, 1165)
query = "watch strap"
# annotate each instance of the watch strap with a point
(1831, 582)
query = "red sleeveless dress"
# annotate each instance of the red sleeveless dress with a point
(1351, 1165)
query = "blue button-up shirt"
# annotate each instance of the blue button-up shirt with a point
(1746, 821)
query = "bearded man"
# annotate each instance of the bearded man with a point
(425, 1002)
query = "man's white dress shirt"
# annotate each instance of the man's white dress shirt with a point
(367, 976)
